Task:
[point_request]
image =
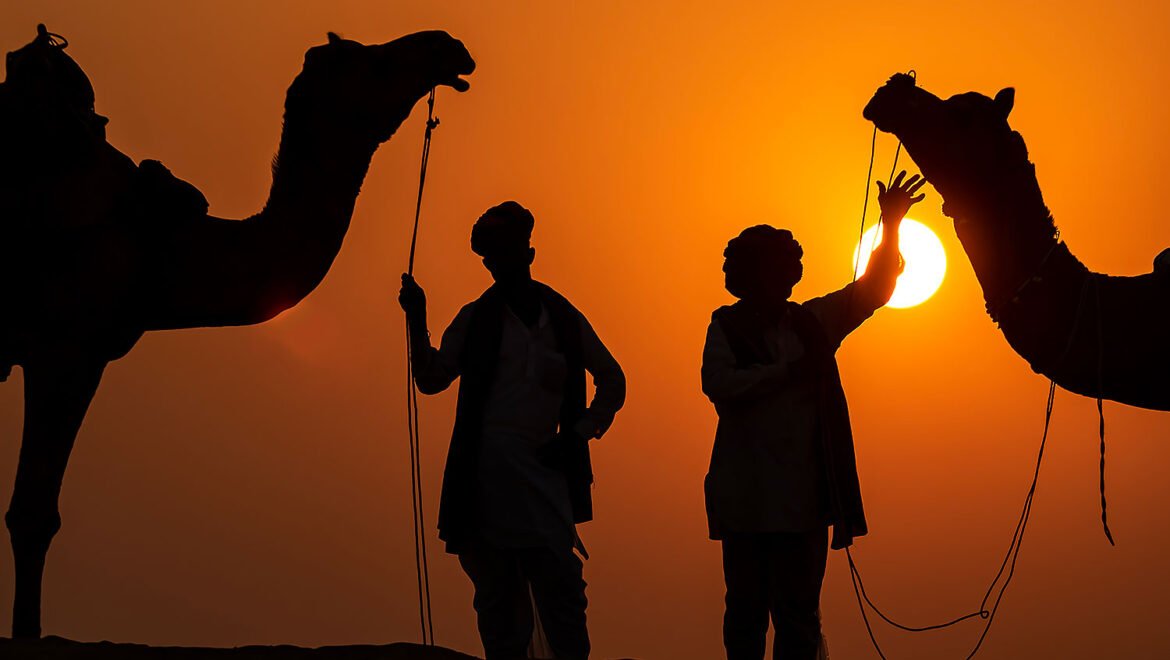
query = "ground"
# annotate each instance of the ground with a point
(57, 648)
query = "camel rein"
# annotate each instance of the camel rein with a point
(422, 570)
(1007, 568)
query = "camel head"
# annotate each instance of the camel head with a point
(963, 145)
(367, 91)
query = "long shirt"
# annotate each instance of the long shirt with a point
(767, 470)
(521, 501)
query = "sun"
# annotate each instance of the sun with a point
(926, 262)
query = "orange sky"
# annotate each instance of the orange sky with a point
(250, 486)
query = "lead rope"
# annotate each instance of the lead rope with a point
(1100, 405)
(422, 570)
(1013, 552)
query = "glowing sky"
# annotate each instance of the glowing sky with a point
(250, 486)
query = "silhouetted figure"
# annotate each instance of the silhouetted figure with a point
(518, 474)
(782, 469)
(1093, 334)
(98, 250)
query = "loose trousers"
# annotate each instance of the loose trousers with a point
(777, 574)
(502, 579)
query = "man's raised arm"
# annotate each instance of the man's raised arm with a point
(875, 287)
(842, 311)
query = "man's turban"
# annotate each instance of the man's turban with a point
(502, 228)
(761, 257)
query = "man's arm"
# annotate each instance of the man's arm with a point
(724, 382)
(434, 369)
(609, 384)
(842, 311)
(875, 287)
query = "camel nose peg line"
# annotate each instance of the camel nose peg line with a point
(422, 570)
(1003, 577)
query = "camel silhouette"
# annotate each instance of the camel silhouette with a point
(98, 250)
(1093, 334)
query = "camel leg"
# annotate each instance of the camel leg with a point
(56, 397)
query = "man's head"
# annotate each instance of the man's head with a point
(762, 263)
(502, 236)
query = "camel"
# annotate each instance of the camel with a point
(1097, 335)
(98, 250)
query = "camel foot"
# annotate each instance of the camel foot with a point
(26, 629)
(26, 608)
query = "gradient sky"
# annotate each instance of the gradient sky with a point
(251, 485)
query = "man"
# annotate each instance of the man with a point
(518, 473)
(782, 468)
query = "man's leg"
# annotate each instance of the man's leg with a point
(745, 622)
(798, 569)
(502, 606)
(559, 591)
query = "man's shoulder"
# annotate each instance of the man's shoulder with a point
(483, 299)
(724, 311)
(828, 301)
(556, 299)
(467, 311)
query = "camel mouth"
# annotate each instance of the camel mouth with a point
(893, 101)
(457, 83)
(465, 68)
(883, 108)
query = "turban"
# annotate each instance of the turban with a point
(760, 257)
(503, 228)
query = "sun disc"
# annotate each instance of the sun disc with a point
(926, 262)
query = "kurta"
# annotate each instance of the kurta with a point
(515, 497)
(783, 455)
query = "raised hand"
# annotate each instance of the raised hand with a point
(898, 199)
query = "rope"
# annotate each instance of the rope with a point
(52, 38)
(432, 124)
(1100, 406)
(1013, 552)
(865, 204)
(868, 180)
(1094, 280)
(1008, 564)
(415, 490)
(422, 569)
(1012, 555)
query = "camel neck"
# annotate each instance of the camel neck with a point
(269, 262)
(1007, 234)
(317, 175)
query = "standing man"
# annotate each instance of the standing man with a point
(518, 474)
(783, 469)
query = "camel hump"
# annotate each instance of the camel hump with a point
(161, 191)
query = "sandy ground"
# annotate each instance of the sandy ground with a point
(57, 648)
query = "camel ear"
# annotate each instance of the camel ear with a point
(333, 38)
(1005, 100)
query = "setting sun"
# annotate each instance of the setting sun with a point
(926, 262)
